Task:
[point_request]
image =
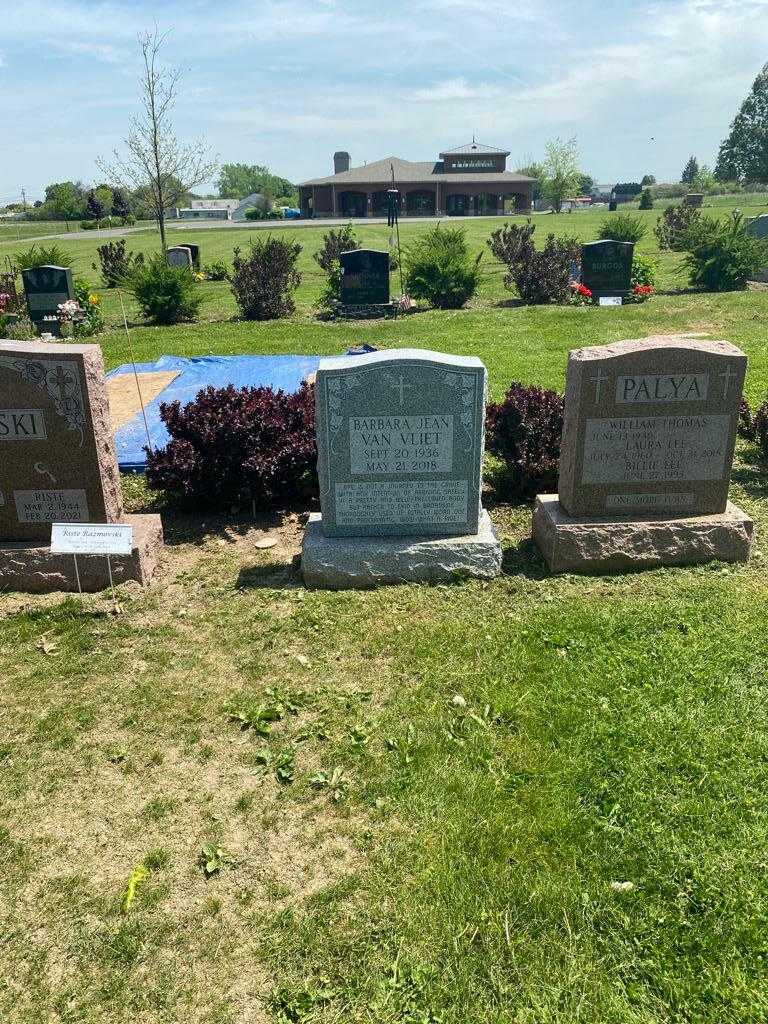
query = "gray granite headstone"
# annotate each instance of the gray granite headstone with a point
(45, 289)
(179, 256)
(758, 226)
(365, 277)
(606, 267)
(650, 427)
(400, 439)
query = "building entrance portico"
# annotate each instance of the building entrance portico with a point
(353, 204)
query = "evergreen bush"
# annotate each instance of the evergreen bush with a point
(721, 255)
(623, 227)
(438, 267)
(165, 295)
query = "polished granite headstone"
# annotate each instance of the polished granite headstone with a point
(45, 289)
(648, 440)
(364, 277)
(57, 463)
(400, 440)
(606, 267)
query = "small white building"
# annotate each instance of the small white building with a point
(219, 209)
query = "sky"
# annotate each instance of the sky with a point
(642, 86)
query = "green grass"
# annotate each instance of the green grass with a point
(438, 826)
(531, 801)
(529, 343)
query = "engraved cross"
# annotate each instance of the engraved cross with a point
(598, 381)
(726, 378)
(402, 387)
(62, 380)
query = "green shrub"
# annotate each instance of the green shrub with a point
(261, 213)
(721, 254)
(644, 270)
(623, 227)
(439, 268)
(263, 280)
(216, 270)
(165, 295)
(42, 256)
(328, 258)
(674, 224)
(90, 303)
(646, 200)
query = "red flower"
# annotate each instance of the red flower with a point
(643, 289)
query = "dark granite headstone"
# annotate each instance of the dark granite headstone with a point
(194, 251)
(365, 277)
(606, 267)
(45, 289)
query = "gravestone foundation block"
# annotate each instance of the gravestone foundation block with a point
(341, 563)
(601, 544)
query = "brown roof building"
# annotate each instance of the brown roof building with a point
(471, 179)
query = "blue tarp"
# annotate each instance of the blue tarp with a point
(195, 373)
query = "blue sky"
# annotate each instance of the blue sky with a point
(286, 82)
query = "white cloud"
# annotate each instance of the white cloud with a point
(451, 90)
(288, 81)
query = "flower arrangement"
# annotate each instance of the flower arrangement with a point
(68, 311)
(642, 292)
(580, 294)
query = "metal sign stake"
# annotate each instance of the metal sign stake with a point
(111, 583)
(77, 577)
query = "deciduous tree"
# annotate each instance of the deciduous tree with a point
(562, 177)
(155, 159)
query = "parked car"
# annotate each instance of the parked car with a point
(290, 212)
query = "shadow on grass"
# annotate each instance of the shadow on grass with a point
(524, 559)
(751, 473)
(271, 576)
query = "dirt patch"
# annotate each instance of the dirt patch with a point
(124, 400)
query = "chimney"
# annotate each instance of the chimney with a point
(340, 162)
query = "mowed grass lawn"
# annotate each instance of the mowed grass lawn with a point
(529, 801)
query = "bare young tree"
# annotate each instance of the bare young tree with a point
(156, 162)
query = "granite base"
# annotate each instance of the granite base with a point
(605, 544)
(30, 568)
(344, 563)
